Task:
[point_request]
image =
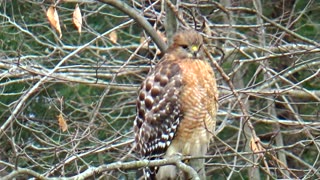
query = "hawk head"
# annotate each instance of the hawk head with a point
(187, 44)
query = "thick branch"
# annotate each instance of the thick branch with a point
(177, 160)
(139, 19)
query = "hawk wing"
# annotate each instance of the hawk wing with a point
(158, 109)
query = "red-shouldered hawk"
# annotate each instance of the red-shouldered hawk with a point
(177, 105)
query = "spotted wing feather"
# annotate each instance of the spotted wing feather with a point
(158, 109)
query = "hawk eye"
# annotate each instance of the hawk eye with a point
(184, 46)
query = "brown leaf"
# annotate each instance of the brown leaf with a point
(62, 123)
(53, 18)
(158, 52)
(113, 37)
(206, 30)
(164, 39)
(256, 146)
(142, 40)
(162, 36)
(77, 18)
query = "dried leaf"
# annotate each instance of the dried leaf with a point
(77, 18)
(164, 39)
(158, 51)
(256, 146)
(113, 37)
(206, 30)
(62, 123)
(162, 36)
(53, 19)
(142, 41)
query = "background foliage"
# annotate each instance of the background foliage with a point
(266, 62)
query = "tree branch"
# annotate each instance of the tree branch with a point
(175, 160)
(139, 19)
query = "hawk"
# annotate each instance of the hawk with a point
(176, 106)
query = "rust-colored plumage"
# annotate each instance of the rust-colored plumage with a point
(177, 105)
